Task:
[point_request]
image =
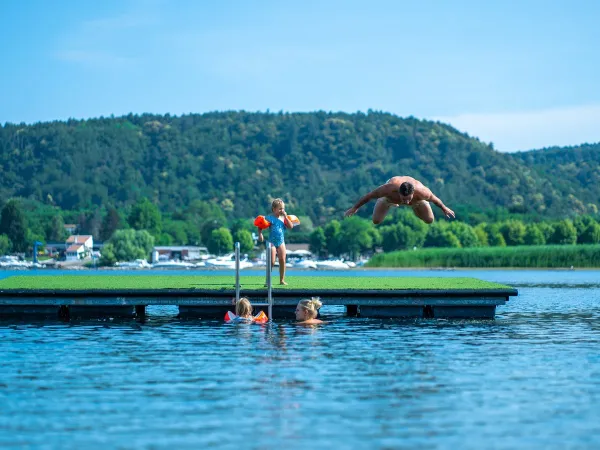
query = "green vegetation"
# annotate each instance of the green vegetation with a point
(319, 163)
(199, 179)
(127, 245)
(548, 256)
(252, 282)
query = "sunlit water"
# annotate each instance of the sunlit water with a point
(528, 379)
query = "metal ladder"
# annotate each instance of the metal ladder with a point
(269, 303)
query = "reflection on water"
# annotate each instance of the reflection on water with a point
(529, 379)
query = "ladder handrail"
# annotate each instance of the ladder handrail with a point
(269, 286)
(237, 272)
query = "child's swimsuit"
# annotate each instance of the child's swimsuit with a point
(276, 230)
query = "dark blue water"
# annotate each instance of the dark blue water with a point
(528, 379)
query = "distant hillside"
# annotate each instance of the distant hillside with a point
(320, 163)
(574, 171)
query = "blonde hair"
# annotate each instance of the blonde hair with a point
(312, 306)
(275, 203)
(243, 307)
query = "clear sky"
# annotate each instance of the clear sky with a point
(521, 74)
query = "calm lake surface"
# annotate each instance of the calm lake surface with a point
(528, 379)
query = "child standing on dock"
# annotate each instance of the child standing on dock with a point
(279, 222)
(307, 311)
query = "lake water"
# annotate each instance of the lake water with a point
(528, 379)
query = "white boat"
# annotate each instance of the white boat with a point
(227, 262)
(12, 262)
(137, 264)
(305, 264)
(332, 264)
(172, 265)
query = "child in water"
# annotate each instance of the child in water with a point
(243, 309)
(279, 222)
(307, 311)
(243, 312)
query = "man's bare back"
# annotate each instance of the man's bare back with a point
(402, 191)
(392, 191)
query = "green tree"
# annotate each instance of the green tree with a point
(591, 235)
(55, 230)
(318, 242)
(110, 223)
(565, 233)
(332, 236)
(5, 244)
(440, 236)
(513, 232)
(405, 236)
(306, 224)
(355, 237)
(244, 237)
(376, 238)
(14, 226)
(177, 229)
(389, 238)
(547, 231)
(582, 222)
(220, 241)
(533, 235)
(193, 233)
(164, 239)
(127, 245)
(482, 235)
(146, 216)
(465, 234)
(495, 237)
(208, 227)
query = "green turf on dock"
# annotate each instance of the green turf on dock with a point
(220, 282)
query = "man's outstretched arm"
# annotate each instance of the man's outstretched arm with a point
(437, 202)
(377, 193)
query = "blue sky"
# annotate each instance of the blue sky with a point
(520, 74)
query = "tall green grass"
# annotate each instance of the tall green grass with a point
(538, 256)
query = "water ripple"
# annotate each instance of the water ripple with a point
(530, 378)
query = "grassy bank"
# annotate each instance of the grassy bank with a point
(218, 282)
(541, 256)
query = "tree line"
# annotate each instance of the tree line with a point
(203, 223)
(318, 162)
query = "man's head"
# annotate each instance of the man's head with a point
(406, 192)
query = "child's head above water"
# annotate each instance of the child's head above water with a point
(277, 206)
(308, 309)
(243, 308)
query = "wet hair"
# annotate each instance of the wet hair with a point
(243, 308)
(312, 306)
(275, 203)
(406, 189)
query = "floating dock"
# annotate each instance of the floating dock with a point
(211, 296)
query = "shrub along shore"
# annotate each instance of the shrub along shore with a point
(538, 256)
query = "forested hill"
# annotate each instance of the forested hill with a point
(320, 163)
(574, 171)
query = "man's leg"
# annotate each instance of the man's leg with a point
(381, 209)
(423, 211)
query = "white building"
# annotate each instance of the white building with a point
(179, 252)
(83, 239)
(79, 246)
(75, 252)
